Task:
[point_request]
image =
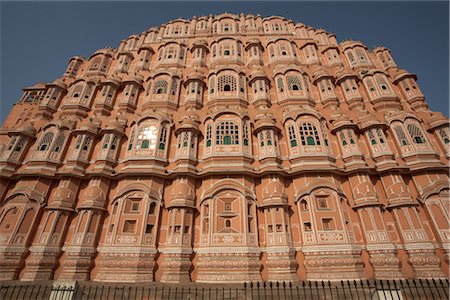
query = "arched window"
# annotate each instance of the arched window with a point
(152, 208)
(416, 134)
(228, 223)
(309, 134)
(294, 83)
(46, 141)
(227, 133)
(226, 52)
(162, 138)
(304, 205)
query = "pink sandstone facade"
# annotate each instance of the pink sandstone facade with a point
(225, 148)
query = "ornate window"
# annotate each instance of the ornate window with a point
(146, 138)
(280, 84)
(231, 135)
(208, 135)
(401, 135)
(227, 83)
(444, 135)
(292, 136)
(294, 83)
(415, 133)
(309, 134)
(46, 141)
(227, 133)
(160, 87)
(162, 138)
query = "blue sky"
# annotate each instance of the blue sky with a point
(38, 38)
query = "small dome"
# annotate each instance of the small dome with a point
(63, 194)
(320, 73)
(182, 190)
(94, 194)
(257, 73)
(196, 75)
(58, 82)
(340, 120)
(91, 124)
(26, 129)
(437, 119)
(274, 190)
(343, 74)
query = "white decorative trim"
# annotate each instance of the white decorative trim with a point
(278, 249)
(125, 250)
(16, 249)
(176, 250)
(227, 250)
(421, 246)
(328, 248)
(79, 249)
(376, 247)
(44, 249)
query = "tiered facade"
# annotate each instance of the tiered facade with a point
(225, 148)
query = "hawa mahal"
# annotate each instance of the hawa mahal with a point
(226, 148)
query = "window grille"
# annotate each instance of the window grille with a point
(160, 87)
(416, 134)
(59, 143)
(211, 85)
(269, 137)
(401, 135)
(380, 135)
(292, 136)
(185, 139)
(280, 84)
(162, 138)
(294, 83)
(309, 134)
(173, 88)
(261, 139)
(106, 141)
(147, 137)
(12, 142)
(245, 133)
(227, 83)
(114, 142)
(443, 133)
(208, 135)
(20, 144)
(78, 143)
(343, 138)
(227, 133)
(46, 141)
(87, 143)
(371, 136)
(350, 136)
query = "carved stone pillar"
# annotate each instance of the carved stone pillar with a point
(46, 250)
(281, 264)
(382, 252)
(417, 244)
(178, 249)
(80, 247)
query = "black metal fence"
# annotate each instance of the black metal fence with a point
(427, 289)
